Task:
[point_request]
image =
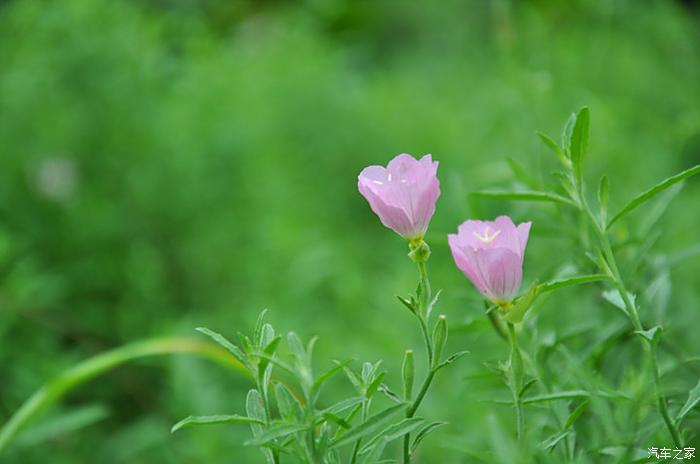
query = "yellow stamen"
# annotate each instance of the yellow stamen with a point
(486, 238)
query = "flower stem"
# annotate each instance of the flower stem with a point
(423, 319)
(633, 314)
(516, 379)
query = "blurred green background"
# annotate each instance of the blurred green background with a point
(170, 164)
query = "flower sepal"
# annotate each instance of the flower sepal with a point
(419, 251)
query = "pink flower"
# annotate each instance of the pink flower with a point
(490, 254)
(403, 194)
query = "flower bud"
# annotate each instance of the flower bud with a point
(420, 252)
(439, 339)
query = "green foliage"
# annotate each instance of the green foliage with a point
(169, 165)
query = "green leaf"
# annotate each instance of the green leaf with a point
(579, 143)
(343, 405)
(221, 340)
(367, 427)
(254, 408)
(296, 346)
(257, 334)
(269, 351)
(521, 174)
(564, 395)
(323, 378)
(390, 394)
(354, 380)
(393, 432)
(432, 304)
(522, 305)
(655, 190)
(451, 359)
(216, 419)
(615, 298)
(556, 149)
(527, 386)
(603, 197)
(652, 335)
(285, 401)
(553, 440)
(569, 281)
(575, 414)
(267, 336)
(275, 432)
(374, 385)
(410, 304)
(566, 134)
(330, 417)
(693, 400)
(375, 453)
(423, 432)
(525, 195)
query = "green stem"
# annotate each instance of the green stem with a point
(425, 298)
(516, 371)
(633, 313)
(53, 391)
(356, 448)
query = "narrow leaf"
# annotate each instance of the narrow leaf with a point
(575, 414)
(221, 340)
(655, 190)
(521, 173)
(603, 197)
(564, 395)
(367, 427)
(568, 130)
(217, 419)
(257, 334)
(451, 359)
(375, 453)
(556, 149)
(423, 432)
(390, 394)
(579, 143)
(323, 378)
(652, 335)
(394, 431)
(525, 195)
(693, 400)
(343, 405)
(569, 281)
(374, 385)
(273, 433)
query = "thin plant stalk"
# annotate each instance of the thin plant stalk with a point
(516, 379)
(53, 391)
(422, 314)
(633, 314)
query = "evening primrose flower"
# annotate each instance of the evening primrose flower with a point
(490, 254)
(403, 194)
